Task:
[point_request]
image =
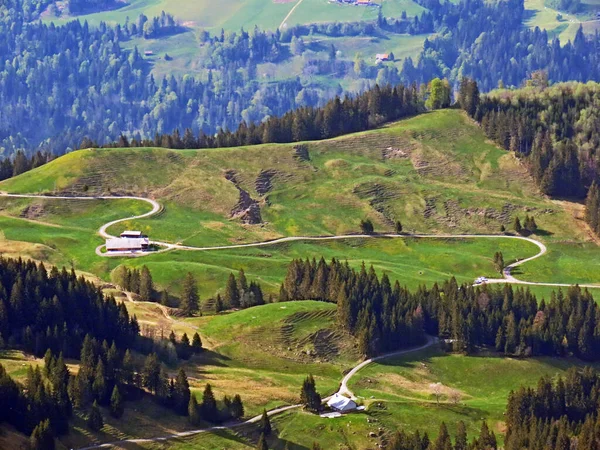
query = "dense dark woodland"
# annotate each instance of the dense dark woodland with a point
(554, 129)
(59, 84)
(58, 315)
(556, 415)
(385, 317)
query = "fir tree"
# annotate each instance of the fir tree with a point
(146, 284)
(192, 412)
(42, 437)
(94, 420)
(208, 406)
(196, 343)
(265, 424)
(262, 443)
(232, 294)
(181, 394)
(116, 404)
(189, 297)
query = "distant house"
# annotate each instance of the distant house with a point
(382, 57)
(363, 2)
(148, 53)
(341, 404)
(129, 241)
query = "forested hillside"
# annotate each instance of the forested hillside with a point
(59, 84)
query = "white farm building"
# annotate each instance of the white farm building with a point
(129, 241)
(341, 404)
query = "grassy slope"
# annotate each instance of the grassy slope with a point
(261, 354)
(448, 179)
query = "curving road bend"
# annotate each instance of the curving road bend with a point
(342, 390)
(156, 207)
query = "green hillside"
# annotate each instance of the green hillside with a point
(436, 173)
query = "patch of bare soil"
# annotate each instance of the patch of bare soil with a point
(247, 209)
(379, 198)
(264, 181)
(32, 212)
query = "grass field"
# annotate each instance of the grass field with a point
(235, 14)
(435, 172)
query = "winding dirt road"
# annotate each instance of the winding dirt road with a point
(166, 246)
(342, 390)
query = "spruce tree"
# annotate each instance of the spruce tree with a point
(237, 407)
(517, 225)
(181, 394)
(42, 437)
(196, 343)
(262, 443)
(94, 420)
(208, 407)
(146, 284)
(461, 442)
(232, 294)
(116, 404)
(192, 411)
(189, 297)
(265, 424)
(398, 227)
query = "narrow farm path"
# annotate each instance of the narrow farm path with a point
(289, 14)
(342, 390)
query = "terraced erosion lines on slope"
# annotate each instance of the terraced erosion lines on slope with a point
(507, 272)
(342, 390)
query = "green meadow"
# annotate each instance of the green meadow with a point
(436, 173)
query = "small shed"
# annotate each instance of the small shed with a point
(382, 56)
(341, 404)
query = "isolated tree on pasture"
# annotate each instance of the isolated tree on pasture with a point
(309, 396)
(499, 261)
(366, 226)
(398, 227)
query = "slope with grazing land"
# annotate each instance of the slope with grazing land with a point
(436, 173)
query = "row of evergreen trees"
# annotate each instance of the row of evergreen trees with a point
(56, 310)
(557, 415)
(385, 317)
(21, 163)
(402, 440)
(337, 117)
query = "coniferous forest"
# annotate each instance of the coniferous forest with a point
(57, 315)
(385, 317)
(88, 85)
